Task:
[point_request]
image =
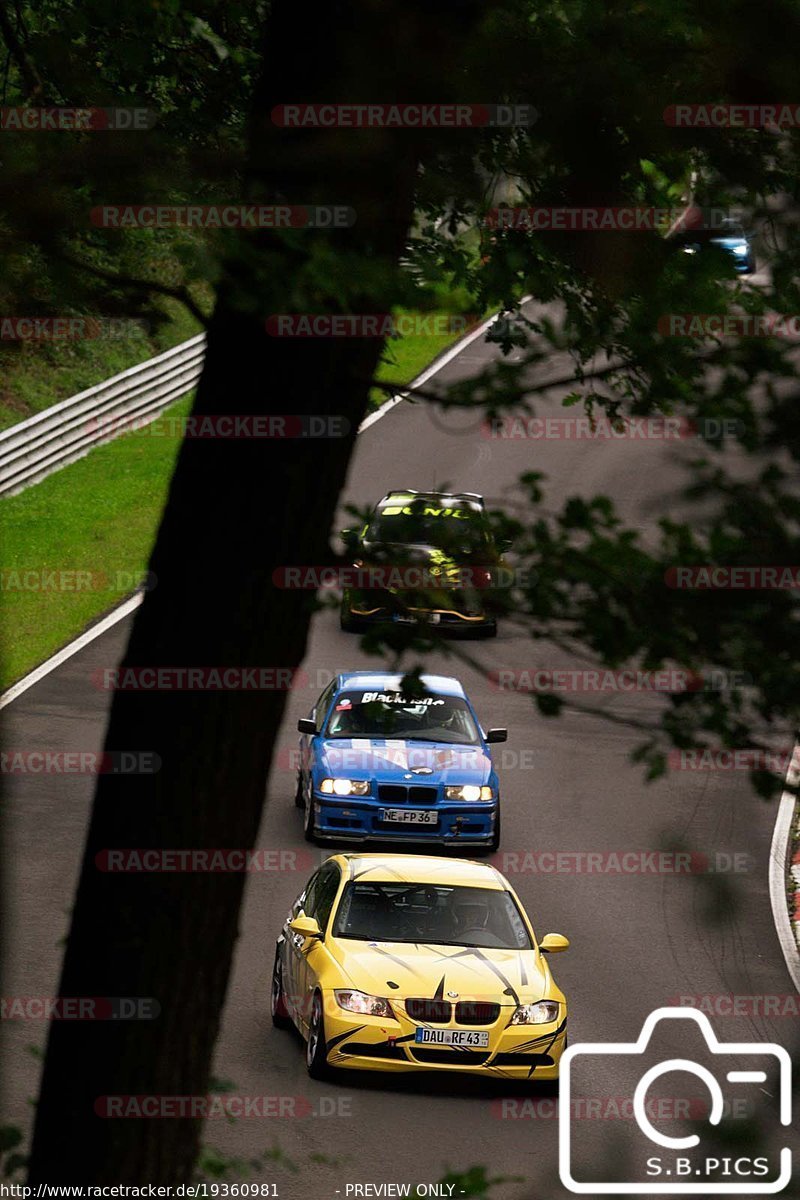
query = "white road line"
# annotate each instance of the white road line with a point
(778, 854)
(429, 372)
(27, 681)
(132, 603)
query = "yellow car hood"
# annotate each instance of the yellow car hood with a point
(429, 970)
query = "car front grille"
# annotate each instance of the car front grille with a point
(454, 1058)
(509, 1059)
(436, 1012)
(476, 1012)
(373, 1050)
(396, 793)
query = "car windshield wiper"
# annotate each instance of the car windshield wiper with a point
(412, 737)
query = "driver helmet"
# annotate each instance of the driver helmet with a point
(471, 912)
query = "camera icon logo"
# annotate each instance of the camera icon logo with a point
(683, 1166)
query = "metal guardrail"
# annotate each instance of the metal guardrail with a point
(34, 449)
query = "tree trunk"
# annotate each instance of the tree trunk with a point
(237, 510)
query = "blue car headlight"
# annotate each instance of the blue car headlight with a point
(469, 792)
(344, 787)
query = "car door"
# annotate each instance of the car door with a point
(294, 960)
(325, 889)
(317, 715)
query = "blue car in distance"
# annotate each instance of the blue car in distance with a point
(376, 765)
(728, 236)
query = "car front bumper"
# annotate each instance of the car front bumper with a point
(365, 1043)
(374, 609)
(359, 819)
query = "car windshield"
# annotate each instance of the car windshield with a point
(454, 529)
(361, 714)
(431, 913)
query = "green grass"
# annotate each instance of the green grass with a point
(408, 357)
(38, 375)
(99, 516)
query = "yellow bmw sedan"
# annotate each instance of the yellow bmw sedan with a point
(399, 962)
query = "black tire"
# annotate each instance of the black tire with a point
(546, 1088)
(316, 1056)
(277, 1000)
(299, 800)
(309, 824)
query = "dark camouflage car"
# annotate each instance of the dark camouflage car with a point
(424, 556)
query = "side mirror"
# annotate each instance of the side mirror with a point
(306, 927)
(553, 943)
(497, 735)
(349, 537)
(307, 725)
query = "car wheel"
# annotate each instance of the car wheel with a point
(316, 1056)
(309, 824)
(299, 801)
(277, 1000)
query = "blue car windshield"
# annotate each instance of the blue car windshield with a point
(370, 714)
(439, 913)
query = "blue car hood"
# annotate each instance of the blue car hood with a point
(393, 759)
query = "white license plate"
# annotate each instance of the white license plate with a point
(426, 618)
(453, 1037)
(409, 816)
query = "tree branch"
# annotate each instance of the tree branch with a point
(181, 294)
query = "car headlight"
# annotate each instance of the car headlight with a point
(360, 1002)
(469, 792)
(542, 1013)
(344, 787)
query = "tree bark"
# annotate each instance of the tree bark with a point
(236, 511)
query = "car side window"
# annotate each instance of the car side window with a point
(321, 707)
(327, 887)
(305, 901)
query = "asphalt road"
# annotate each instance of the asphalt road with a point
(638, 939)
